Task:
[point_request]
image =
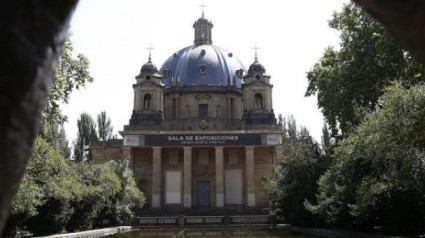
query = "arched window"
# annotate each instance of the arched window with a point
(258, 101)
(147, 101)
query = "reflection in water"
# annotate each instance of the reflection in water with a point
(241, 232)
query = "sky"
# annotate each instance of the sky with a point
(114, 35)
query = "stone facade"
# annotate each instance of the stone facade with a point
(202, 135)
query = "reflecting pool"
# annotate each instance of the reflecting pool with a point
(209, 232)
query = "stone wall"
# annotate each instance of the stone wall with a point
(219, 105)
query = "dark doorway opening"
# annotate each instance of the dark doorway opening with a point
(203, 195)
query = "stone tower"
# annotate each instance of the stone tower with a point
(148, 96)
(257, 91)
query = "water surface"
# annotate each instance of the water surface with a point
(209, 232)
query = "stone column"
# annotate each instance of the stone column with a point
(219, 177)
(156, 177)
(187, 177)
(128, 153)
(249, 176)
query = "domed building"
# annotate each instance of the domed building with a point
(202, 135)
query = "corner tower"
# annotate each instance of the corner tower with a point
(148, 96)
(257, 90)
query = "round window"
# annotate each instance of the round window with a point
(257, 76)
(148, 77)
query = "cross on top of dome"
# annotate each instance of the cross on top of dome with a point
(203, 6)
(256, 48)
(150, 48)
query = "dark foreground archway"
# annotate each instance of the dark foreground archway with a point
(32, 34)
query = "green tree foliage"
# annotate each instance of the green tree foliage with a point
(104, 126)
(296, 175)
(57, 195)
(118, 209)
(350, 81)
(54, 134)
(110, 195)
(24, 206)
(49, 184)
(71, 73)
(86, 135)
(326, 138)
(377, 178)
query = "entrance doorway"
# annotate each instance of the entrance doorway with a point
(203, 195)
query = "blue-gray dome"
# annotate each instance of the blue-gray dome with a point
(202, 65)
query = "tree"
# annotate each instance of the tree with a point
(85, 136)
(56, 195)
(104, 126)
(54, 134)
(24, 205)
(326, 138)
(43, 201)
(349, 82)
(118, 207)
(377, 178)
(71, 73)
(295, 177)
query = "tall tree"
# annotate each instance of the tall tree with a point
(349, 82)
(71, 73)
(296, 175)
(326, 138)
(85, 136)
(377, 178)
(55, 135)
(104, 126)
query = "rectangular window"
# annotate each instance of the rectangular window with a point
(203, 111)
(233, 186)
(173, 186)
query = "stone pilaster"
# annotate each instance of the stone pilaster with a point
(249, 176)
(187, 177)
(277, 154)
(156, 177)
(219, 177)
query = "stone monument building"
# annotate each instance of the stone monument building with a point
(202, 135)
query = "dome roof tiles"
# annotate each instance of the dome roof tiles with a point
(203, 65)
